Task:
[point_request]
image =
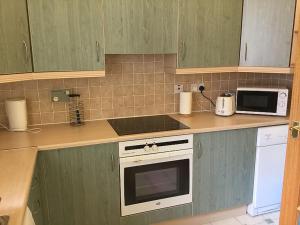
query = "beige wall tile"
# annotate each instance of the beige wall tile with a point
(127, 79)
(149, 89)
(134, 85)
(47, 117)
(139, 90)
(149, 67)
(138, 67)
(139, 101)
(127, 68)
(107, 103)
(149, 58)
(138, 79)
(107, 113)
(139, 111)
(96, 114)
(60, 117)
(33, 106)
(34, 119)
(94, 81)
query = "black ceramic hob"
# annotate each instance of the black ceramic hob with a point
(147, 124)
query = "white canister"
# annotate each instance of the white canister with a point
(16, 112)
(185, 103)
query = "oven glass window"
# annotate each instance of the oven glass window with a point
(257, 101)
(156, 181)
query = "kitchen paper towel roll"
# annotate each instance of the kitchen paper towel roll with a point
(16, 112)
(185, 103)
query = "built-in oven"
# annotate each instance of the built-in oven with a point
(262, 101)
(155, 173)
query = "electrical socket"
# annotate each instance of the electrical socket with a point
(60, 95)
(202, 85)
(196, 87)
(178, 88)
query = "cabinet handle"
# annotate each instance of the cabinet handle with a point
(246, 52)
(98, 51)
(183, 50)
(200, 152)
(26, 50)
(112, 162)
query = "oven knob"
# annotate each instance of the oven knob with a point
(282, 104)
(146, 148)
(154, 148)
(283, 95)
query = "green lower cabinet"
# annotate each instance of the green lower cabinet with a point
(157, 216)
(79, 186)
(34, 201)
(224, 165)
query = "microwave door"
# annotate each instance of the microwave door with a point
(257, 101)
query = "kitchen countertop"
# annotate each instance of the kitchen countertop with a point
(98, 132)
(16, 170)
(18, 150)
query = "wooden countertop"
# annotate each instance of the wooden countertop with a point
(18, 150)
(16, 170)
(97, 132)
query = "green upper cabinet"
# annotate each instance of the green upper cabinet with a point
(15, 49)
(267, 33)
(224, 165)
(77, 186)
(140, 26)
(209, 33)
(67, 35)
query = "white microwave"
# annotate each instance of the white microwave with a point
(262, 101)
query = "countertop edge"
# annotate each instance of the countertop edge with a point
(160, 134)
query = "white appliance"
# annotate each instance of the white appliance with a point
(262, 101)
(225, 105)
(16, 112)
(155, 173)
(269, 169)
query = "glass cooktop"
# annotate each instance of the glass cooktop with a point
(147, 124)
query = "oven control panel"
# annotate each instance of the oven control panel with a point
(155, 145)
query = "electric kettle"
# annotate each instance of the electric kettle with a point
(225, 105)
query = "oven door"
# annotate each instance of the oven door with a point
(257, 102)
(156, 181)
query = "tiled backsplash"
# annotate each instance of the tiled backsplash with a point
(134, 85)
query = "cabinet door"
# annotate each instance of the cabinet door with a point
(267, 33)
(224, 165)
(66, 35)
(209, 33)
(15, 49)
(140, 26)
(157, 216)
(34, 201)
(80, 186)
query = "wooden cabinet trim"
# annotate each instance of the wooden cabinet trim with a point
(50, 75)
(235, 70)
